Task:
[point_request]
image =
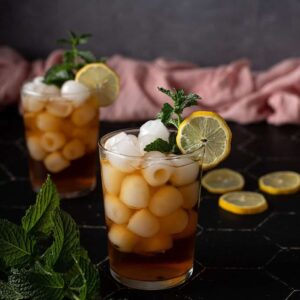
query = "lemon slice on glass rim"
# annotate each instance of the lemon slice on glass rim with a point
(243, 203)
(280, 183)
(102, 79)
(208, 129)
(220, 181)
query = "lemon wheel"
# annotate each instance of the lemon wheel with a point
(243, 203)
(280, 183)
(208, 129)
(221, 181)
(101, 79)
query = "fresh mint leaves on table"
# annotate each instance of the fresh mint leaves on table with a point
(42, 258)
(73, 60)
(172, 115)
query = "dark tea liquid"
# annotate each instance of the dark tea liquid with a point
(173, 263)
(79, 177)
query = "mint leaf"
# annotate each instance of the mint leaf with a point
(173, 115)
(38, 217)
(53, 252)
(158, 145)
(87, 56)
(85, 278)
(37, 286)
(68, 242)
(7, 292)
(166, 113)
(16, 247)
(58, 74)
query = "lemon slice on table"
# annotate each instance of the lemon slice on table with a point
(277, 183)
(222, 181)
(205, 128)
(243, 203)
(99, 77)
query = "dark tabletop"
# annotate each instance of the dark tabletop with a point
(237, 257)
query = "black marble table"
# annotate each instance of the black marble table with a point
(237, 257)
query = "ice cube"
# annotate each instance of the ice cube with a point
(38, 87)
(154, 128)
(38, 79)
(75, 91)
(145, 140)
(125, 146)
(114, 140)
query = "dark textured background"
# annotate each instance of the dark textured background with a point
(207, 32)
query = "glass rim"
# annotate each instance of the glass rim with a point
(172, 156)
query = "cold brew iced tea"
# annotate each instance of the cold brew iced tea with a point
(61, 132)
(151, 203)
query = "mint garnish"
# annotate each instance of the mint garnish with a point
(73, 60)
(164, 146)
(172, 115)
(42, 259)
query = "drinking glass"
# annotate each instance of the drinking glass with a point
(61, 136)
(151, 211)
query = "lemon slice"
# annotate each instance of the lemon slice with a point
(99, 77)
(243, 203)
(205, 128)
(277, 183)
(222, 181)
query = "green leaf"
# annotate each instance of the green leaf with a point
(87, 56)
(69, 57)
(85, 279)
(16, 247)
(166, 113)
(7, 292)
(83, 38)
(67, 244)
(54, 251)
(39, 217)
(158, 145)
(181, 101)
(58, 74)
(37, 286)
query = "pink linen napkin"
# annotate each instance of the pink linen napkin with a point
(233, 90)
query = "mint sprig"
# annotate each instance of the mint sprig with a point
(172, 116)
(73, 60)
(42, 258)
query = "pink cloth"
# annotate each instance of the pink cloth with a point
(234, 90)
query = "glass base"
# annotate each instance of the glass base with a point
(152, 285)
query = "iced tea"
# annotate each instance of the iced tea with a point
(151, 205)
(61, 136)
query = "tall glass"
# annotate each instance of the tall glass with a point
(151, 211)
(61, 137)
